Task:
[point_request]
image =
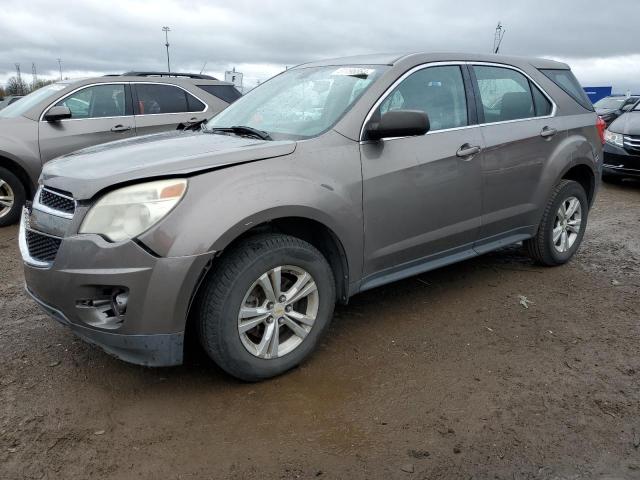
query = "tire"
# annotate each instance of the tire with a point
(542, 247)
(11, 191)
(235, 283)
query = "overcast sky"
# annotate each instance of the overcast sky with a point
(600, 40)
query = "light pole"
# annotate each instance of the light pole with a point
(60, 66)
(166, 31)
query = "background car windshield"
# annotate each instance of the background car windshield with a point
(18, 108)
(610, 103)
(299, 103)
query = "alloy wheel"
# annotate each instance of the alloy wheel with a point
(567, 224)
(7, 198)
(278, 312)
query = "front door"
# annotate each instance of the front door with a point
(422, 195)
(99, 114)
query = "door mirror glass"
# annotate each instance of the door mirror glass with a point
(397, 123)
(59, 112)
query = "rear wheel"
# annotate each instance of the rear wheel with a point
(562, 226)
(265, 306)
(12, 197)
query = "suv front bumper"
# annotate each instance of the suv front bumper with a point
(76, 287)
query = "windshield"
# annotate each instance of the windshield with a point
(610, 103)
(299, 103)
(25, 103)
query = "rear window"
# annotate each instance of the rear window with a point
(227, 93)
(568, 82)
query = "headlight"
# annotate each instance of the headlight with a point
(129, 211)
(613, 138)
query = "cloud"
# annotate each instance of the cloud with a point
(261, 38)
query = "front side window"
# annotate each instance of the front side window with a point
(301, 102)
(158, 98)
(437, 91)
(109, 100)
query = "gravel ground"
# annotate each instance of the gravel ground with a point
(446, 375)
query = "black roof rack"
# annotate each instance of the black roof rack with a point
(165, 74)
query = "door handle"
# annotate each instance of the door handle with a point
(467, 150)
(121, 128)
(548, 132)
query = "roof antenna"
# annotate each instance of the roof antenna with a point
(497, 38)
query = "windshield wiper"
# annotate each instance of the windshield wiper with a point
(241, 130)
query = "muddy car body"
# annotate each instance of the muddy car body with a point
(272, 224)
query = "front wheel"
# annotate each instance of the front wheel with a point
(265, 306)
(562, 226)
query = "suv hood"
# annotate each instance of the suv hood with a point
(87, 171)
(627, 124)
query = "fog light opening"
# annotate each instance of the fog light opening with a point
(119, 301)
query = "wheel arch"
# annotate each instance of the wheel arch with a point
(15, 167)
(585, 176)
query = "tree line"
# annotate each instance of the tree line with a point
(20, 87)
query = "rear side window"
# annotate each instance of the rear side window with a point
(540, 102)
(157, 98)
(568, 82)
(504, 93)
(227, 93)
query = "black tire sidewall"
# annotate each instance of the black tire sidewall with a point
(19, 197)
(243, 363)
(572, 189)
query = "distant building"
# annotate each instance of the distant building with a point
(235, 78)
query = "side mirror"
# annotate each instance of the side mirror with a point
(397, 123)
(59, 112)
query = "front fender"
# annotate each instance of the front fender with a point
(323, 184)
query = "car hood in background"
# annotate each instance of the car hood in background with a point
(627, 124)
(87, 171)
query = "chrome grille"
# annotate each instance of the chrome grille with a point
(57, 201)
(42, 247)
(631, 142)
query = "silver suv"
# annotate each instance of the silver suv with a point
(329, 179)
(67, 116)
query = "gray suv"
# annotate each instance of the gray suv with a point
(332, 178)
(67, 116)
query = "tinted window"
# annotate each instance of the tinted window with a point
(194, 104)
(227, 93)
(157, 98)
(567, 82)
(97, 101)
(505, 94)
(542, 104)
(438, 91)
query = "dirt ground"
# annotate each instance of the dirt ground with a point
(445, 375)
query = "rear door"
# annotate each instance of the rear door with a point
(99, 114)
(161, 106)
(520, 134)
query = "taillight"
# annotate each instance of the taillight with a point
(601, 126)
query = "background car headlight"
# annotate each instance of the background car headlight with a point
(613, 138)
(129, 211)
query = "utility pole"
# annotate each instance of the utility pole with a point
(34, 75)
(60, 67)
(19, 78)
(166, 31)
(497, 38)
